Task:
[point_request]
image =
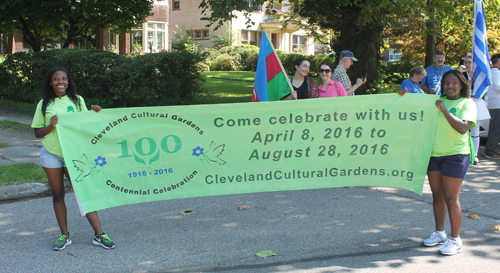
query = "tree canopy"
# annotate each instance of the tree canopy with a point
(42, 21)
(366, 27)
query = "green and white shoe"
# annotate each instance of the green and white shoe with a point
(62, 242)
(102, 239)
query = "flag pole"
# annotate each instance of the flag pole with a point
(279, 61)
(473, 43)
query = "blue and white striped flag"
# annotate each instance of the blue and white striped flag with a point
(482, 73)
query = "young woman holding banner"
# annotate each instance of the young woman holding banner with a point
(303, 87)
(59, 96)
(450, 159)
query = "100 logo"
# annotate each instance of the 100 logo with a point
(146, 146)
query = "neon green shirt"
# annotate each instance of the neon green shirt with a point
(448, 141)
(58, 106)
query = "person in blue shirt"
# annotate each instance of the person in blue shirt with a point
(431, 83)
(412, 84)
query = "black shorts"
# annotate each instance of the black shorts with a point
(455, 166)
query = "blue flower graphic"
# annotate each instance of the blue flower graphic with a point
(100, 161)
(198, 151)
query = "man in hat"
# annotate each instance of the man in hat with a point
(340, 75)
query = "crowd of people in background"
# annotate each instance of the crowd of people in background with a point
(456, 143)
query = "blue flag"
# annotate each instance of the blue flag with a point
(482, 73)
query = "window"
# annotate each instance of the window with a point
(137, 38)
(249, 37)
(177, 4)
(113, 41)
(151, 39)
(394, 56)
(299, 43)
(200, 34)
(156, 36)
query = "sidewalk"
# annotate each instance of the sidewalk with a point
(20, 154)
(358, 229)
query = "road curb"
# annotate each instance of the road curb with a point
(22, 190)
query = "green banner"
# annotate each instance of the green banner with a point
(133, 155)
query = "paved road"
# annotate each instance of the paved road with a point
(356, 229)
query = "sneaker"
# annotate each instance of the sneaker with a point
(453, 247)
(476, 161)
(435, 239)
(494, 156)
(103, 240)
(62, 242)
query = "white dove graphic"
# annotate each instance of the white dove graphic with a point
(84, 167)
(213, 154)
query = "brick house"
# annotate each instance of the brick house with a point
(171, 16)
(187, 16)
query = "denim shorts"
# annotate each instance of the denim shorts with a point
(49, 160)
(455, 166)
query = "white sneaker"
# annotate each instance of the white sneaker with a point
(435, 239)
(452, 247)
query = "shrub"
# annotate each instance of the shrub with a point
(156, 79)
(231, 58)
(226, 62)
(184, 41)
(105, 78)
(396, 72)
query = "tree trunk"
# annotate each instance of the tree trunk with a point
(430, 42)
(33, 38)
(364, 42)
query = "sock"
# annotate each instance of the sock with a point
(441, 232)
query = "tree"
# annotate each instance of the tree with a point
(358, 25)
(41, 21)
(444, 25)
(365, 26)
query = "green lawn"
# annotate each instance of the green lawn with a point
(239, 75)
(21, 173)
(227, 91)
(224, 88)
(8, 125)
(18, 107)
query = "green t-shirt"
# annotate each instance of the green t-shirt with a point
(59, 106)
(448, 141)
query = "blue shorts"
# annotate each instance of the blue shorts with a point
(455, 166)
(49, 160)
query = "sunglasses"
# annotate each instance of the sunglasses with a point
(325, 71)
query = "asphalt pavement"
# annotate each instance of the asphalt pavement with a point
(360, 229)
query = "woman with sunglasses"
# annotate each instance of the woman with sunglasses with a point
(328, 87)
(450, 159)
(303, 87)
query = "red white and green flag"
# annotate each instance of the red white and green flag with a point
(271, 81)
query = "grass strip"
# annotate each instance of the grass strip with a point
(227, 91)
(236, 75)
(21, 173)
(8, 125)
(18, 107)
